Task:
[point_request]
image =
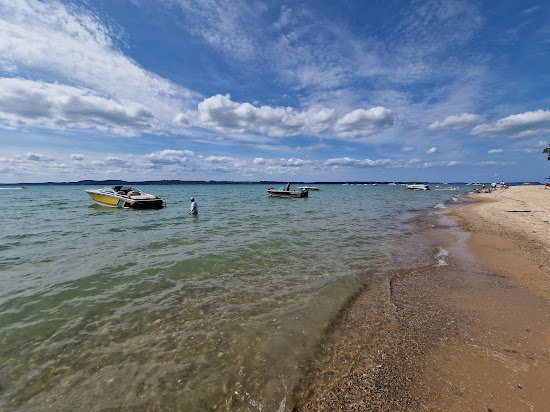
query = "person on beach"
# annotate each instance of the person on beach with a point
(194, 208)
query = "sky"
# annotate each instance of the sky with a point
(313, 90)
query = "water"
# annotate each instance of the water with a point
(109, 308)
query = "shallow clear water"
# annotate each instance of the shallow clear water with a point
(104, 307)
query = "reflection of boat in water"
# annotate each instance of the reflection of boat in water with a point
(418, 186)
(126, 197)
(309, 188)
(288, 193)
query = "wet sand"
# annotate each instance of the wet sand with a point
(471, 333)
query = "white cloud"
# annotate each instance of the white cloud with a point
(450, 163)
(290, 166)
(312, 148)
(181, 118)
(56, 106)
(51, 40)
(346, 161)
(220, 159)
(534, 132)
(456, 122)
(514, 125)
(432, 150)
(169, 156)
(407, 149)
(38, 157)
(223, 114)
(495, 151)
(223, 24)
(77, 156)
(360, 122)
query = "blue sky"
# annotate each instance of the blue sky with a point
(273, 90)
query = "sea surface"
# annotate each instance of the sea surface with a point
(104, 308)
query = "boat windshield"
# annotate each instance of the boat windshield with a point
(129, 190)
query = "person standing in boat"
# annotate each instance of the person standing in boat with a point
(194, 208)
(288, 186)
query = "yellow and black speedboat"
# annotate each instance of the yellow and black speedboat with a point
(126, 197)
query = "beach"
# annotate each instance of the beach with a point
(111, 309)
(469, 332)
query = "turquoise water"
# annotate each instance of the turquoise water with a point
(109, 308)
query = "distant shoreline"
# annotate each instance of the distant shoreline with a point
(233, 182)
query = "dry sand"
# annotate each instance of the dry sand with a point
(511, 232)
(471, 335)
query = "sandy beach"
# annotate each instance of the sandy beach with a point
(471, 334)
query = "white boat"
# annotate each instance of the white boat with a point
(418, 186)
(125, 197)
(309, 188)
(288, 193)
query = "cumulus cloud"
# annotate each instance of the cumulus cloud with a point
(432, 150)
(456, 122)
(77, 156)
(38, 157)
(221, 113)
(169, 156)
(181, 118)
(495, 151)
(360, 122)
(407, 149)
(515, 125)
(290, 166)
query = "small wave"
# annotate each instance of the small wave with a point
(440, 206)
(442, 257)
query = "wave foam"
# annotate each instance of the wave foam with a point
(442, 257)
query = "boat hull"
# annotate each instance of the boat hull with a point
(418, 187)
(288, 193)
(117, 201)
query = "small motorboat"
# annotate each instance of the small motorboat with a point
(418, 186)
(308, 188)
(288, 193)
(125, 197)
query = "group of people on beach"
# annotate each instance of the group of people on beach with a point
(490, 189)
